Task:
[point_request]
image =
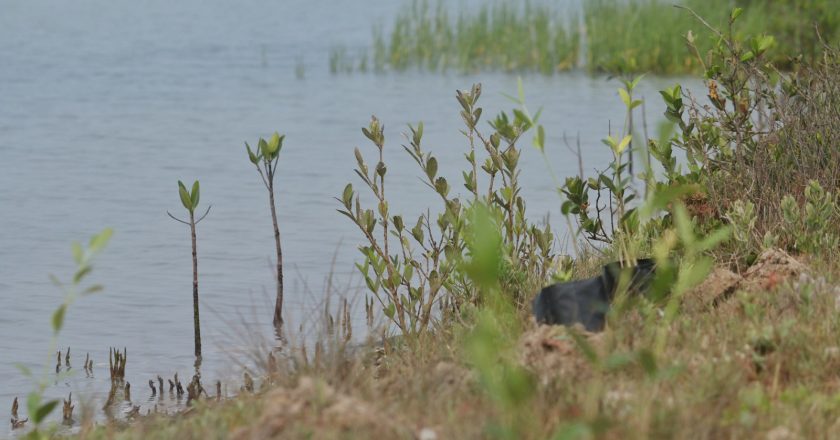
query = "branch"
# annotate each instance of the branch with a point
(698, 17)
(176, 219)
(262, 176)
(205, 214)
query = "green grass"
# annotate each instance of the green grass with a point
(501, 36)
(648, 35)
(642, 35)
(620, 35)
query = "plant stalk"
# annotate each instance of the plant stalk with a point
(278, 304)
(196, 321)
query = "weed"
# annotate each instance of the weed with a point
(408, 269)
(37, 408)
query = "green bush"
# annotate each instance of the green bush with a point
(409, 266)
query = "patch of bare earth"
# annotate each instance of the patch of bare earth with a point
(773, 267)
(313, 409)
(719, 285)
(550, 352)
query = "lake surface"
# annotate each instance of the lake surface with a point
(104, 105)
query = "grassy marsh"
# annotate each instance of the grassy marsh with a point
(615, 35)
(499, 36)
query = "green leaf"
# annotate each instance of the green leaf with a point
(81, 273)
(185, 196)
(685, 228)
(381, 169)
(251, 156)
(274, 143)
(58, 318)
(44, 411)
(78, 253)
(735, 14)
(716, 237)
(697, 272)
(194, 196)
(625, 97)
(33, 400)
(441, 186)
(765, 42)
(347, 214)
(96, 288)
(623, 144)
(347, 196)
(389, 310)
(485, 248)
(648, 362)
(99, 241)
(539, 139)
(24, 370)
(660, 199)
(372, 285)
(431, 168)
(636, 81)
(266, 153)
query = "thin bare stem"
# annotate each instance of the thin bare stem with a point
(177, 219)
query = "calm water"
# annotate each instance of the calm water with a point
(104, 105)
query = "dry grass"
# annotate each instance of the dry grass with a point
(762, 363)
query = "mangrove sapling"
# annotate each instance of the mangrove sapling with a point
(190, 201)
(36, 407)
(116, 364)
(265, 160)
(67, 410)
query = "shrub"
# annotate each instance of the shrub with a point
(762, 136)
(410, 268)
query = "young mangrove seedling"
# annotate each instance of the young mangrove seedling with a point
(38, 406)
(116, 364)
(17, 422)
(67, 410)
(249, 383)
(190, 201)
(265, 160)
